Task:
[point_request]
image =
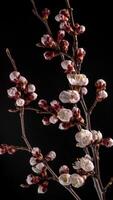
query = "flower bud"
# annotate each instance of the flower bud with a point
(50, 156)
(14, 76)
(49, 55)
(31, 88)
(101, 95)
(80, 54)
(20, 102)
(64, 169)
(45, 13)
(100, 85)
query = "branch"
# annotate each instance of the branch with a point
(11, 59)
(35, 12)
(23, 130)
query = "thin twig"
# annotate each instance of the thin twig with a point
(23, 129)
(92, 107)
(11, 59)
(35, 12)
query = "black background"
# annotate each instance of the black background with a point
(20, 31)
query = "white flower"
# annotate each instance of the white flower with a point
(12, 92)
(31, 88)
(84, 163)
(20, 102)
(64, 179)
(64, 114)
(70, 96)
(97, 136)
(84, 138)
(41, 189)
(77, 79)
(77, 180)
(38, 168)
(14, 76)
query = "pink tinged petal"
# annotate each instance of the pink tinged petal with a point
(20, 102)
(12, 92)
(80, 54)
(64, 169)
(49, 55)
(14, 76)
(100, 85)
(50, 156)
(32, 96)
(65, 12)
(31, 88)
(101, 95)
(64, 179)
(66, 64)
(42, 188)
(60, 35)
(46, 121)
(55, 105)
(64, 126)
(64, 45)
(107, 142)
(35, 151)
(43, 104)
(61, 18)
(53, 119)
(84, 90)
(29, 179)
(64, 115)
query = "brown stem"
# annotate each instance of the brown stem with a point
(55, 177)
(35, 11)
(23, 129)
(22, 148)
(11, 59)
(92, 107)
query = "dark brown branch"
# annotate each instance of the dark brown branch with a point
(23, 129)
(11, 59)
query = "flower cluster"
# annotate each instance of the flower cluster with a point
(38, 164)
(101, 93)
(23, 92)
(10, 149)
(67, 117)
(67, 179)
